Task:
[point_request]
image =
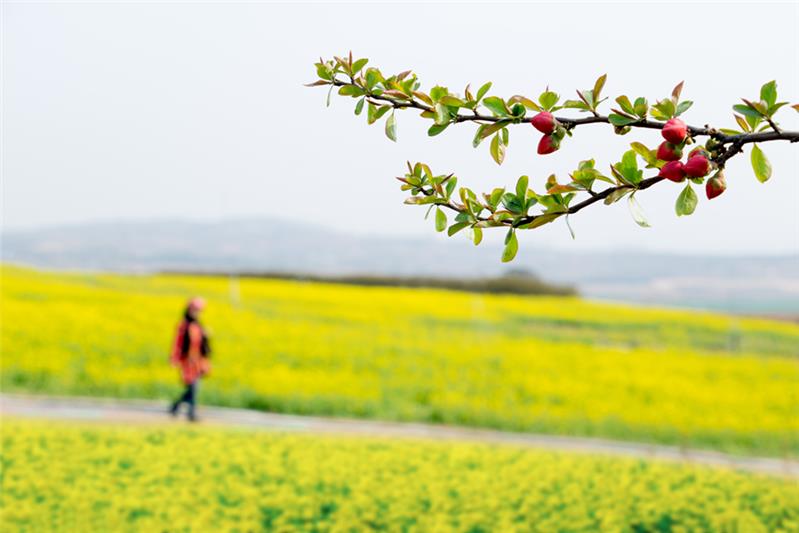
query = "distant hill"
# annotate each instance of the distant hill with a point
(748, 284)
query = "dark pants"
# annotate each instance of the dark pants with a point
(189, 396)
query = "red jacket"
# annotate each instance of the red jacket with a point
(193, 363)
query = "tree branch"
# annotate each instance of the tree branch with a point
(571, 123)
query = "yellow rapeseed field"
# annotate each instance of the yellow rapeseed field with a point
(78, 478)
(544, 364)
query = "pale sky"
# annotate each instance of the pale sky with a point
(197, 110)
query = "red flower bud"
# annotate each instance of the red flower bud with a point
(669, 152)
(544, 122)
(548, 144)
(715, 186)
(699, 150)
(674, 131)
(673, 170)
(697, 166)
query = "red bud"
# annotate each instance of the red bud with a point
(673, 170)
(669, 152)
(715, 186)
(544, 122)
(548, 144)
(674, 131)
(697, 166)
(699, 150)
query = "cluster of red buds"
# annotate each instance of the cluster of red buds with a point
(552, 130)
(698, 164)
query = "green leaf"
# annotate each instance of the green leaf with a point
(747, 111)
(521, 187)
(450, 186)
(576, 104)
(548, 100)
(512, 203)
(497, 149)
(477, 235)
(646, 154)
(391, 128)
(487, 129)
(625, 104)
(682, 107)
(441, 220)
(540, 220)
(526, 102)
(358, 65)
(663, 110)
(438, 92)
(511, 246)
(760, 164)
(598, 85)
(373, 113)
(686, 201)
(323, 72)
(359, 106)
(497, 106)
(455, 228)
(482, 91)
(637, 212)
(768, 93)
(452, 101)
(435, 129)
(442, 114)
(350, 90)
(628, 168)
(617, 195)
(641, 106)
(620, 120)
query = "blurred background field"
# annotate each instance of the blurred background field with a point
(156, 478)
(540, 364)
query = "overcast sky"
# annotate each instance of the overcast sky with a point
(198, 110)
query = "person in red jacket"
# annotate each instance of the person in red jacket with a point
(190, 353)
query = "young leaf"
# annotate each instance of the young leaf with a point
(675, 94)
(441, 220)
(435, 129)
(358, 65)
(768, 93)
(455, 228)
(359, 106)
(637, 212)
(477, 235)
(620, 120)
(686, 201)
(442, 114)
(760, 164)
(497, 105)
(391, 128)
(497, 149)
(645, 153)
(548, 99)
(683, 106)
(625, 104)
(521, 187)
(511, 246)
(600, 82)
(482, 91)
(747, 111)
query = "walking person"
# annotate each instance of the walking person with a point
(190, 354)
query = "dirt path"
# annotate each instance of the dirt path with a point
(151, 412)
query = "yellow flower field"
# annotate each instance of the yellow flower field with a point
(76, 478)
(544, 364)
